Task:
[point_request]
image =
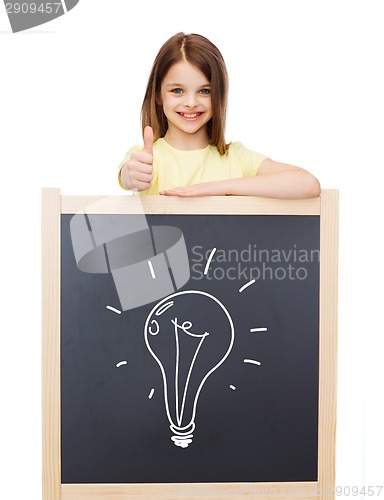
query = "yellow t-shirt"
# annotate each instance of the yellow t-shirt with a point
(174, 168)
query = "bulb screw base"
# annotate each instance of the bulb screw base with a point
(182, 441)
(182, 435)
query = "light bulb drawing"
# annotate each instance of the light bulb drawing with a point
(190, 334)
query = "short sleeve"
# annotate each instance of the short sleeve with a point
(249, 160)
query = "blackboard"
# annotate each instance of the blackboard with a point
(254, 285)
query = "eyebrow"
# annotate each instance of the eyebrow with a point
(182, 85)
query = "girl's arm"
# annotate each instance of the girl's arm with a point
(273, 180)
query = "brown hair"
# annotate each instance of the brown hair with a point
(203, 54)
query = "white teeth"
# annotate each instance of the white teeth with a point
(190, 115)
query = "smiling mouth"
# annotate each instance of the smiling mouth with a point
(190, 116)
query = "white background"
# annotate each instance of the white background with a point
(306, 87)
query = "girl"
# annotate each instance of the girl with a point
(183, 120)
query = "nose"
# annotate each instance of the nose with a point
(190, 100)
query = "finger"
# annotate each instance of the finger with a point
(142, 165)
(141, 177)
(148, 140)
(170, 192)
(141, 186)
(141, 157)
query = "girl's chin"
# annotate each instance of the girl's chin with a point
(189, 128)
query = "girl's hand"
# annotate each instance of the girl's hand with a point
(215, 188)
(137, 172)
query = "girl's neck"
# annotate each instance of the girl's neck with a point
(185, 141)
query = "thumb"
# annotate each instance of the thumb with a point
(148, 140)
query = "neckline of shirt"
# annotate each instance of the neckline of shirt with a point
(183, 151)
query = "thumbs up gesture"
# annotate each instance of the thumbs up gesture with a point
(137, 172)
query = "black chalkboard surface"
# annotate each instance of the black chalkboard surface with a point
(257, 413)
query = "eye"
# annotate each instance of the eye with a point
(205, 91)
(177, 91)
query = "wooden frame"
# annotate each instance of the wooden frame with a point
(53, 205)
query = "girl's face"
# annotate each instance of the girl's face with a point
(185, 95)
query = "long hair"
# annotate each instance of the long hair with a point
(203, 54)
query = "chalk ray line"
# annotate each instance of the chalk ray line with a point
(247, 285)
(113, 309)
(151, 269)
(121, 363)
(209, 260)
(253, 361)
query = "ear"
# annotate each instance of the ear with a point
(158, 99)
